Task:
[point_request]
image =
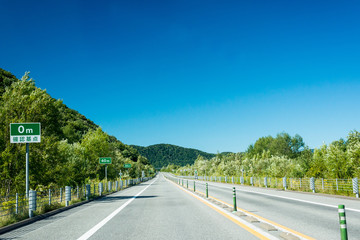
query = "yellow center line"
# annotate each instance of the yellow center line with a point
(259, 235)
(264, 219)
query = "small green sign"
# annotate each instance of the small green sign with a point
(25, 133)
(105, 160)
(127, 165)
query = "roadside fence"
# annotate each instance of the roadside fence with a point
(348, 187)
(44, 200)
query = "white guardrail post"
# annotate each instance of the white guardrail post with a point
(355, 186)
(32, 203)
(100, 188)
(284, 183)
(67, 195)
(88, 191)
(312, 184)
(265, 182)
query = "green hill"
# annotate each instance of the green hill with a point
(70, 147)
(161, 155)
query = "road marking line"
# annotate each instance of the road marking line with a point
(279, 226)
(113, 214)
(289, 198)
(242, 223)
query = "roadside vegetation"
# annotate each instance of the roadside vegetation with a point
(282, 156)
(70, 144)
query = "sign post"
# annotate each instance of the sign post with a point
(25, 133)
(127, 165)
(106, 161)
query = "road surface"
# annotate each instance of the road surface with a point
(313, 215)
(157, 209)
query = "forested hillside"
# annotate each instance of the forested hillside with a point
(284, 155)
(70, 144)
(161, 155)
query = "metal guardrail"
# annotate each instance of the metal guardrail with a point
(18, 204)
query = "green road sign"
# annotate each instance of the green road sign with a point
(25, 133)
(105, 160)
(127, 165)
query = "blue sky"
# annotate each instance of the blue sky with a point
(211, 75)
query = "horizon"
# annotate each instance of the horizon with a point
(204, 75)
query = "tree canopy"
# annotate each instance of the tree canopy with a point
(70, 144)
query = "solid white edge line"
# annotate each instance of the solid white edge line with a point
(109, 217)
(256, 229)
(289, 198)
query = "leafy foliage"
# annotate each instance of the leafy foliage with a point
(70, 144)
(284, 156)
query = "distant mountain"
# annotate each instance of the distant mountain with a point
(161, 155)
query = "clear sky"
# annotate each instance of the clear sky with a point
(211, 75)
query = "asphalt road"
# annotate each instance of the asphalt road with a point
(157, 209)
(310, 214)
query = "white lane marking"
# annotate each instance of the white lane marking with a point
(113, 214)
(289, 198)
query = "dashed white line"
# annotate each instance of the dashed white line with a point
(93, 230)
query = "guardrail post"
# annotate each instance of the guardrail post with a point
(312, 184)
(265, 182)
(67, 195)
(284, 183)
(100, 188)
(322, 184)
(342, 220)
(60, 195)
(32, 203)
(355, 186)
(110, 187)
(49, 197)
(87, 191)
(207, 191)
(187, 183)
(121, 184)
(234, 199)
(252, 181)
(337, 185)
(17, 204)
(232, 179)
(117, 185)
(194, 186)
(242, 180)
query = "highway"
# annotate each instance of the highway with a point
(157, 209)
(162, 209)
(314, 216)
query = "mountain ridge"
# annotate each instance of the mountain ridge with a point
(163, 154)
